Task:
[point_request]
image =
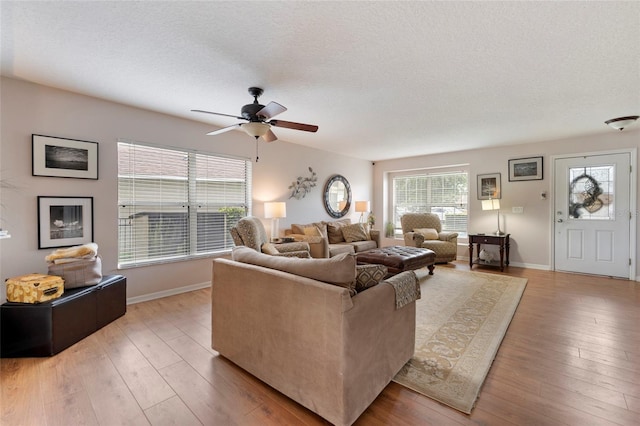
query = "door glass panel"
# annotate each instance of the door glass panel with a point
(591, 191)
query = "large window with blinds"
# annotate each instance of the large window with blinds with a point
(176, 204)
(444, 193)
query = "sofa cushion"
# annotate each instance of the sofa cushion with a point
(427, 233)
(339, 270)
(355, 232)
(369, 275)
(309, 227)
(269, 248)
(334, 232)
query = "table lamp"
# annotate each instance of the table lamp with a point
(362, 207)
(493, 204)
(274, 211)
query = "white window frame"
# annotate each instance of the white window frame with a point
(136, 199)
(394, 216)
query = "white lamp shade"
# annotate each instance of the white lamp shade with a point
(275, 209)
(255, 129)
(493, 204)
(362, 206)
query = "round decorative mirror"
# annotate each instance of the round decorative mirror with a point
(337, 196)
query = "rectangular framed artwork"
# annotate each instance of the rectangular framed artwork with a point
(525, 169)
(489, 186)
(64, 221)
(60, 157)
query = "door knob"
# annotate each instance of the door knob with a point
(560, 220)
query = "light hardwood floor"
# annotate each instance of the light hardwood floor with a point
(571, 356)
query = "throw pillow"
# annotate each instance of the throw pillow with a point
(428, 233)
(369, 275)
(355, 232)
(269, 248)
(312, 231)
(338, 270)
(334, 232)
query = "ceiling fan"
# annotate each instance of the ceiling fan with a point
(256, 116)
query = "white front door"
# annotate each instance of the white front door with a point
(592, 215)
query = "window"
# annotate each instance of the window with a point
(442, 193)
(177, 204)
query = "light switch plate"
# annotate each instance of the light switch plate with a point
(517, 210)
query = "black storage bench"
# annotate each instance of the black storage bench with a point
(44, 329)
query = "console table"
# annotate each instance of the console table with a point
(497, 240)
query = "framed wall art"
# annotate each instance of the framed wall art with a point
(525, 169)
(59, 157)
(64, 221)
(489, 186)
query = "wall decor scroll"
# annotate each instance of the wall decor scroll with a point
(301, 186)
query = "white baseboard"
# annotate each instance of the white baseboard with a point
(516, 264)
(166, 293)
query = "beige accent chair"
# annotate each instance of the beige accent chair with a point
(446, 244)
(250, 232)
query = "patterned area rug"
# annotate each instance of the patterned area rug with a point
(460, 322)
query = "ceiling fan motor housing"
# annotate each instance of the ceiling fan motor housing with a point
(250, 111)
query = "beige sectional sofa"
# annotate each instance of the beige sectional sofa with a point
(328, 239)
(293, 324)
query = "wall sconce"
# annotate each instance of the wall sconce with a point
(493, 204)
(275, 211)
(362, 207)
(622, 122)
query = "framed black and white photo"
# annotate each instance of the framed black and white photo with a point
(489, 186)
(60, 157)
(64, 221)
(525, 169)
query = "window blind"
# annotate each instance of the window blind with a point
(442, 193)
(176, 204)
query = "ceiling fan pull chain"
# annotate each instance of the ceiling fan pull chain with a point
(256, 149)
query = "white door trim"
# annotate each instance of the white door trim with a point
(633, 202)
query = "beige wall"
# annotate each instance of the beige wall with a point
(28, 108)
(530, 231)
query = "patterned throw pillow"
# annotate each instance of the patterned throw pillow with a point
(369, 275)
(334, 232)
(355, 232)
(428, 233)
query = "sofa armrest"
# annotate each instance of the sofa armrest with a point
(413, 239)
(318, 246)
(375, 236)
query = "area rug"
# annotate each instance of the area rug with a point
(461, 320)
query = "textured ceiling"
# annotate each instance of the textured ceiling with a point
(380, 79)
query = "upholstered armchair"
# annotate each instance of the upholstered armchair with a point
(425, 230)
(250, 232)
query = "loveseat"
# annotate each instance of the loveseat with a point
(328, 239)
(294, 324)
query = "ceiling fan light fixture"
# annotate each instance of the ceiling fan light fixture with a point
(255, 129)
(622, 122)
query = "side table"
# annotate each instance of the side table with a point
(498, 240)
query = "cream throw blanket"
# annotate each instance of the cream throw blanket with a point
(73, 254)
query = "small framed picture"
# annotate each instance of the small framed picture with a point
(64, 221)
(60, 157)
(525, 169)
(489, 186)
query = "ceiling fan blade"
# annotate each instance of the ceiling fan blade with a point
(224, 129)
(218, 113)
(271, 110)
(270, 136)
(292, 125)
